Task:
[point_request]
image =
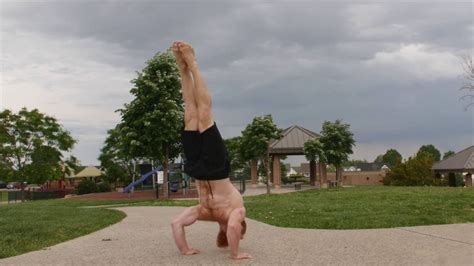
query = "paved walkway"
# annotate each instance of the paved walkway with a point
(144, 238)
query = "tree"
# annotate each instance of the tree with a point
(237, 164)
(31, 143)
(379, 159)
(153, 120)
(337, 140)
(392, 157)
(353, 162)
(256, 140)
(430, 149)
(416, 171)
(314, 150)
(468, 87)
(447, 154)
(117, 164)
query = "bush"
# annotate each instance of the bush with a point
(416, 171)
(294, 178)
(86, 187)
(104, 187)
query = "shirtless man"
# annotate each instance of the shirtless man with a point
(207, 161)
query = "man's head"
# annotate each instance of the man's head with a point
(222, 236)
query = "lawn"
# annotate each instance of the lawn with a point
(34, 225)
(364, 207)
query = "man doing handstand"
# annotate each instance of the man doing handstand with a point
(207, 161)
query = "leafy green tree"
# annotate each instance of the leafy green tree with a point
(447, 154)
(379, 159)
(256, 140)
(6, 170)
(430, 149)
(237, 164)
(31, 143)
(353, 162)
(392, 157)
(117, 165)
(337, 140)
(153, 120)
(314, 150)
(416, 171)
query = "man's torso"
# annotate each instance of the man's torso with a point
(218, 198)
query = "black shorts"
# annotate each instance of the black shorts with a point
(206, 155)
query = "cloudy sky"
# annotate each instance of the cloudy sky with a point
(392, 70)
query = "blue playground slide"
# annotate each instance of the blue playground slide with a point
(139, 181)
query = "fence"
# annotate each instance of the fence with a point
(25, 195)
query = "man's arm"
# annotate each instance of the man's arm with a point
(234, 233)
(188, 217)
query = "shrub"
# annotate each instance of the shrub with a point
(104, 187)
(86, 187)
(294, 178)
(416, 171)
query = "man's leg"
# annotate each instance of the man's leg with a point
(187, 89)
(234, 233)
(186, 218)
(201, 93)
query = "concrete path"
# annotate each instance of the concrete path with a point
(144, 238)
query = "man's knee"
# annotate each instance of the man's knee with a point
(190, 114)
(205, 113)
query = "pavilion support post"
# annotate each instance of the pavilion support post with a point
(253, 172)
(276, 171)
(312, 172)
(468, 180)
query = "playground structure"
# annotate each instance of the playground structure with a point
(175, 178)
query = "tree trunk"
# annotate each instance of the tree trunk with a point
(165, 176)
(312, 172)
(267, 168)
(254, 172)
(323, 175)
(339, 175)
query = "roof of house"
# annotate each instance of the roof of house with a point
(462, 161)
(293, 141)
(297, 169)
(90, 171)
(370, 166)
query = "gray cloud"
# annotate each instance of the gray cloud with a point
(390, 70)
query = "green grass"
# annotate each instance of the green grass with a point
(3, 196)
(34, 225)
(364, 207)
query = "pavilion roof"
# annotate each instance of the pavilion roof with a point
(462, 161)
(293, 140)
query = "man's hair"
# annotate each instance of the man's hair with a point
(222, 236)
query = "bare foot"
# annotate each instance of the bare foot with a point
(242, 256)
(179, 57)
(188, 54)
(191, 251)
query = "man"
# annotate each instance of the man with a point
(207, 161)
